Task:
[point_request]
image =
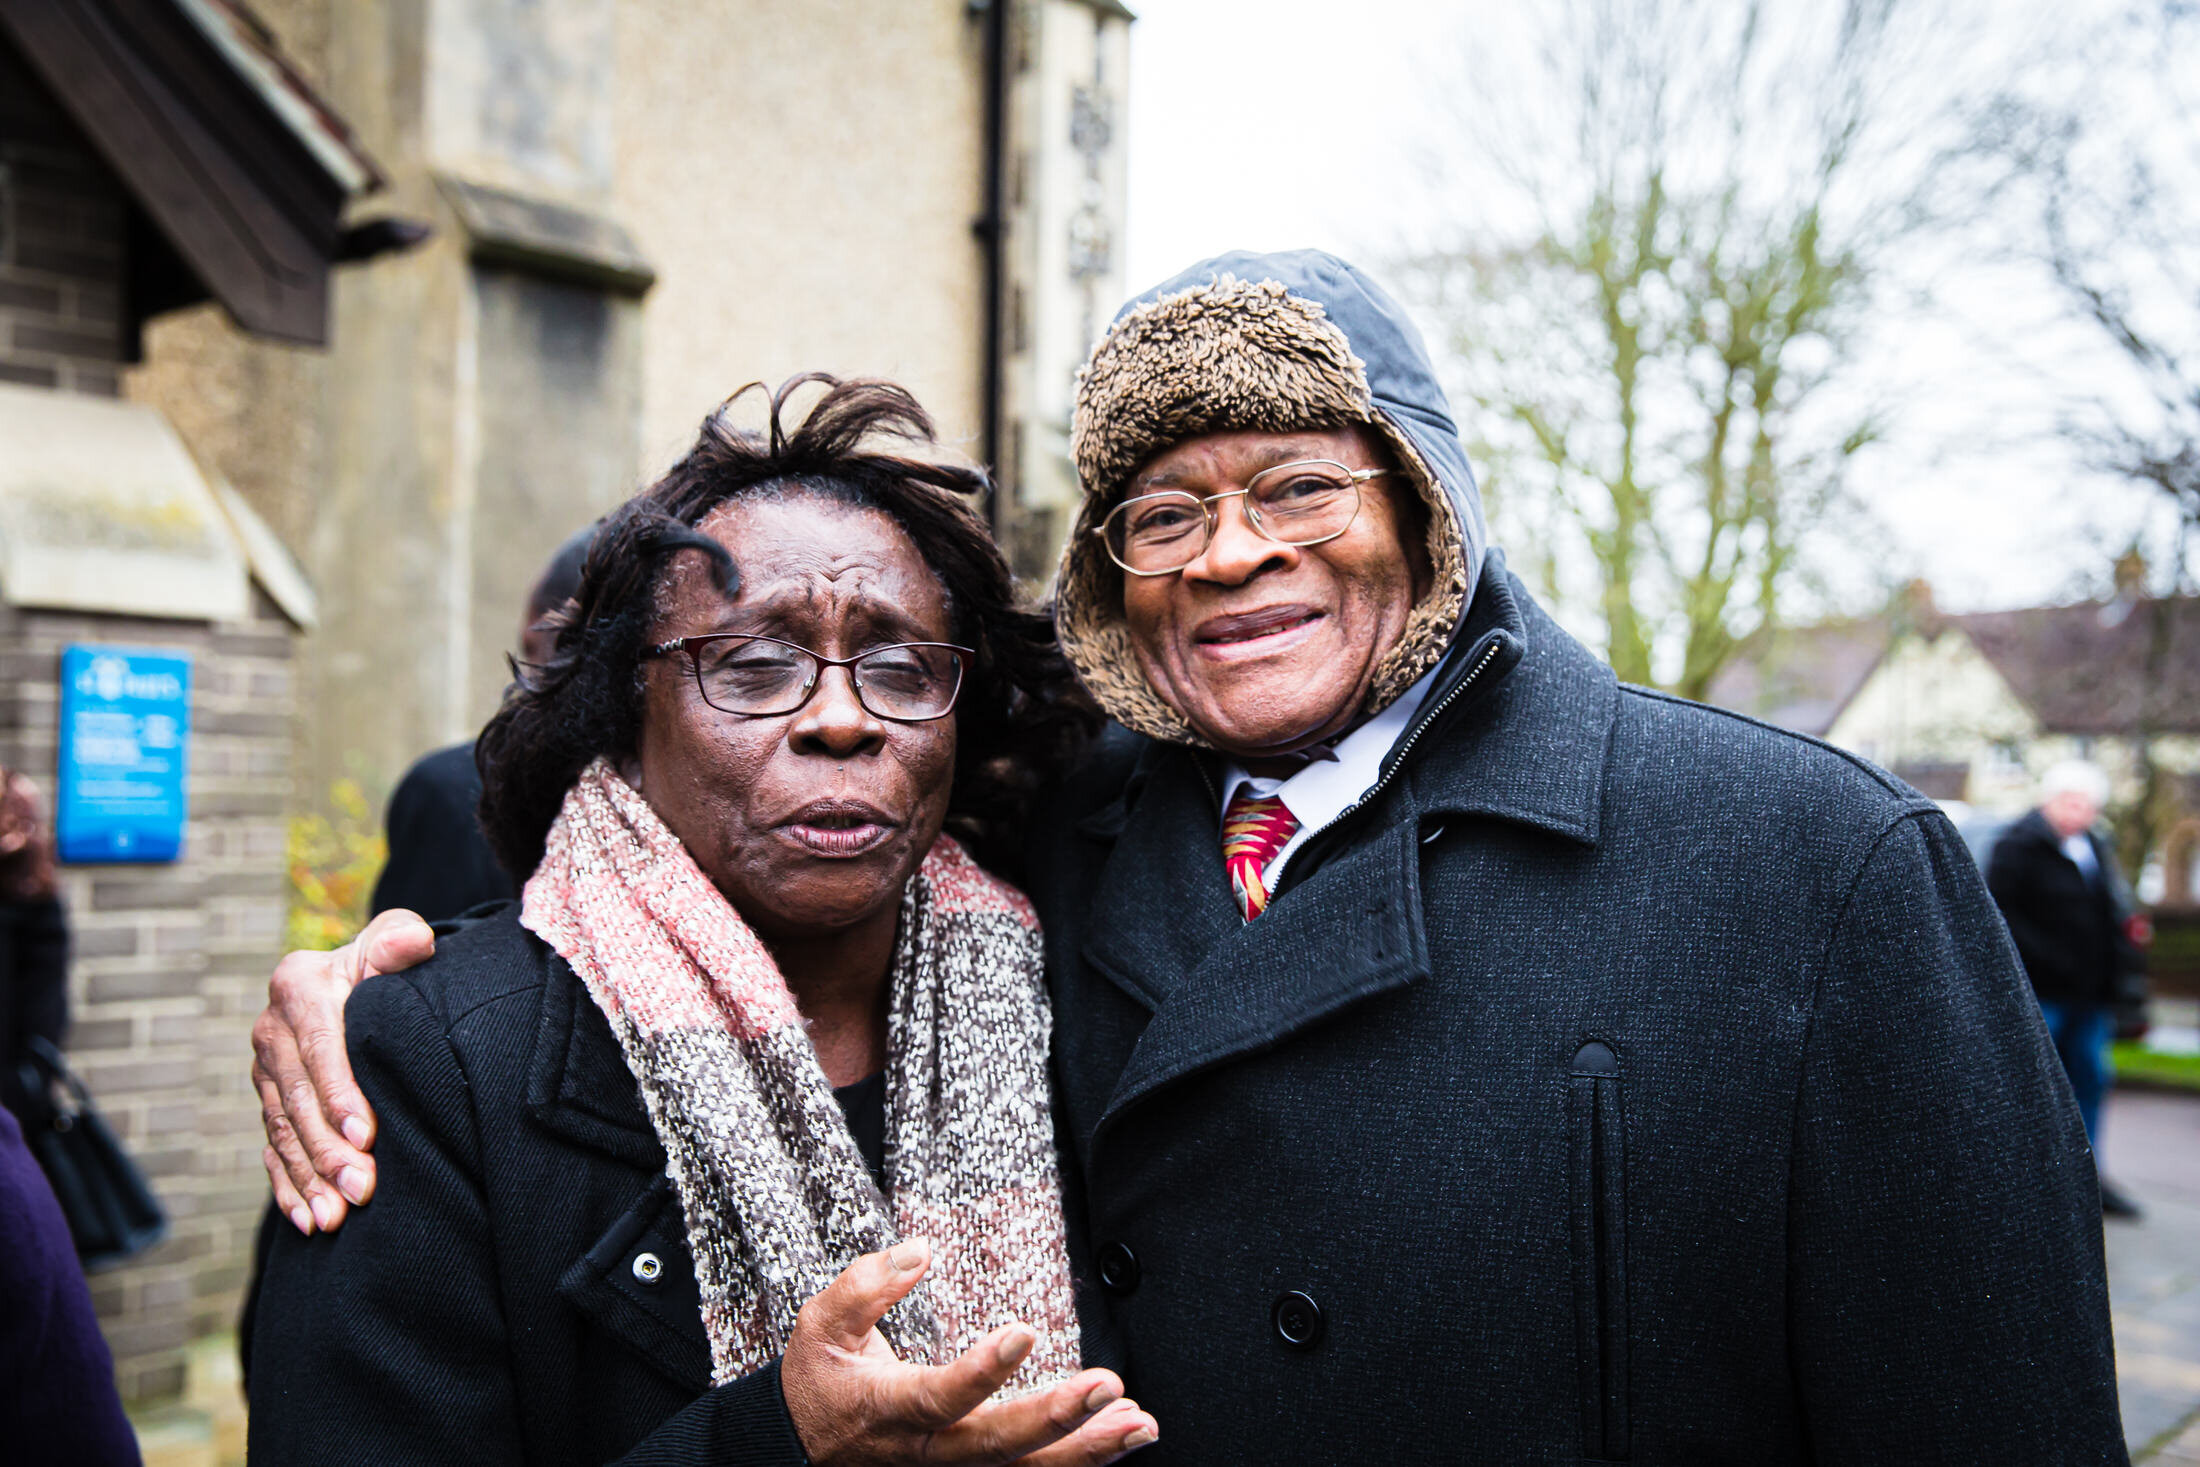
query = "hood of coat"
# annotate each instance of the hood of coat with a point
(1270, 343)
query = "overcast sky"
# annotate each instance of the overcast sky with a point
(1271, 124)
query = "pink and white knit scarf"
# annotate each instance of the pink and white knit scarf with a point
(778, 1199)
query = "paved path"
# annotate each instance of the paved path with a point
(2153, 1151)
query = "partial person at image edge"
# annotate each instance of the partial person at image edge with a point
(58, 1405)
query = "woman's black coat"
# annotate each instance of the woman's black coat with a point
(1624, 1081)
(484, 1309)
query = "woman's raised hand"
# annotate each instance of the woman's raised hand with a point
(319, 1127)
(854, 1403)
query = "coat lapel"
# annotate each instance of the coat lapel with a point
(580, 1090)
(661, 1319)
(1533, 751)
(1351, 931)
(578, 1085)
(1163, 901)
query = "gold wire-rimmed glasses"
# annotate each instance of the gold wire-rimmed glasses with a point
(764, 677)
(1302, 503)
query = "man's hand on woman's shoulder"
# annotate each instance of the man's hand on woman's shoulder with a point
(319, 1127)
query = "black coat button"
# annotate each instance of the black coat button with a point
(1118, 1269)
(1298, 1320)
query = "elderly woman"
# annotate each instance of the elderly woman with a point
(730, 1141)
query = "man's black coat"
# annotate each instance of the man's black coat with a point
(1623, 1081)
(2069, 927)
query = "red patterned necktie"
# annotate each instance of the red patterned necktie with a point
(1254, 828)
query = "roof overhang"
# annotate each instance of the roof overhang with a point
(233, 161)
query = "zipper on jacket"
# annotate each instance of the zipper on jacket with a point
(1397, 757)
(1598, 1212)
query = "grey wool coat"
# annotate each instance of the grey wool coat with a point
(1626, 1081)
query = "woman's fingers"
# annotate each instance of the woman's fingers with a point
(851, 1401)
(1120, 1429)
(845, 1311)
(937, 1398)
(1007, 1431)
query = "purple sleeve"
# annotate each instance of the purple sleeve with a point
(57, 1380)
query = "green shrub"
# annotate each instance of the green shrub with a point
(333, 859)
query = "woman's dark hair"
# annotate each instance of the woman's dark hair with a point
(1020, 717)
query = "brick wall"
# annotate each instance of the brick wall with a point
(61, 245)
(170, 963)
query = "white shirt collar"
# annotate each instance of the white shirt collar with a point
(1322, 791)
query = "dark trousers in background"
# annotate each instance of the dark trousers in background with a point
(2081, 1032)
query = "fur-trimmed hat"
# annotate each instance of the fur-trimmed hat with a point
(1269, 343)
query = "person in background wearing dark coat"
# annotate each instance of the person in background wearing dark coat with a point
(2056, 883)
(439, 863)
(34, 948)
(1462, 1057)
(58, 1406)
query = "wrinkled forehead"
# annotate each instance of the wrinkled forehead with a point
(805, 562)
(1211, 458)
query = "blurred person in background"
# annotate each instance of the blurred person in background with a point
(58, 1406)
(34, 949)
(2055, 879)
(439, 863)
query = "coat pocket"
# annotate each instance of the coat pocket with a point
(638, 1284)
(1597, 1129)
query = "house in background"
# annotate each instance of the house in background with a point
(1971, 709)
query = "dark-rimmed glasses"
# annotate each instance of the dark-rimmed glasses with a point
(763, 677)
(1303, 503)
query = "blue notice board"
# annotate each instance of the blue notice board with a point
(125, 734)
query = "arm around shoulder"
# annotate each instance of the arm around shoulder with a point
(1947, 1287)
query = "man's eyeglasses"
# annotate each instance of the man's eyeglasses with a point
(1301, 503)
(763, 677)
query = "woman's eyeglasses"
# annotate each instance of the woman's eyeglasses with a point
(763, 677)
(1302, 503)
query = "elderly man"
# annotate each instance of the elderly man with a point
(2068, 909)
(1462, 1057)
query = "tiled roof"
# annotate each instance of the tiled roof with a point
(2096, 668)
(1802, 677)
(2099, 668)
